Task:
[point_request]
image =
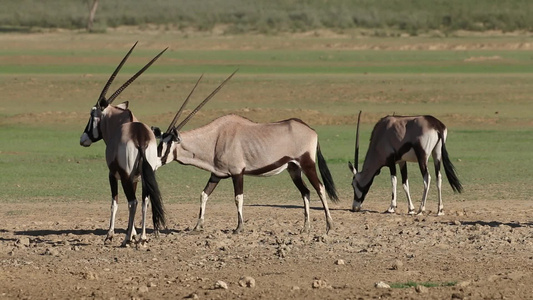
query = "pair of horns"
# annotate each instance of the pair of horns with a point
(125, 85)
(356, 156)
(178, 114)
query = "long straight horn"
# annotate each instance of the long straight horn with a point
(110, 80)
(356, 156)
(178, 114)
(204, 102)
(125, 85)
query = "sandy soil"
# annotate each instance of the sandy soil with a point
(478, 250)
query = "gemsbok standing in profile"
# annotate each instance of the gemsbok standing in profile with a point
(401, 139)
(232, 146)
(131, 152)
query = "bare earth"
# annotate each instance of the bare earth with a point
(478, 250)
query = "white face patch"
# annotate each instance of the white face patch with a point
(162, 153)
(91, 133)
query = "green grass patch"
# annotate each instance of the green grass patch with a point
(43, 115)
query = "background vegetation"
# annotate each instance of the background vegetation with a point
(49, 81)
(274, 16)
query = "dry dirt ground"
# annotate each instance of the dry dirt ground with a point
(478, 250)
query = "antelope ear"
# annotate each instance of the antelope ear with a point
(176, 135)
(352, 168)
(123, 105)
(156, 131)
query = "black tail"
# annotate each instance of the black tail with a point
(326, 177)
(450, 170)
(150, 188)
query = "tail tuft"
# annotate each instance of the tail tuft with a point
(326, 177)
(451, 173)
(150, 189)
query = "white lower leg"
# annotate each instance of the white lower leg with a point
(130, 233)
(203, 202)
(427, 180)
(307, 224)
(143, 225)
(239, 200)
(329, 220)
(410, 205)
(440, 211)
(393, 203)
(114, 208)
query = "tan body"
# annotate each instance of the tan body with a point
(233, 146)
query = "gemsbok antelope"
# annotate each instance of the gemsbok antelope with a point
(233, 146)
(401, 139)
(131, 152)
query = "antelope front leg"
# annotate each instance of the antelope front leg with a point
(393, 203)
(113, 183)
(201, 215)
(111, 231)
(209, 188)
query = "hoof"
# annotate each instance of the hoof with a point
(305, 230)
(108, 240)
(237, 230)
(440, 213)
(391, 210)
(197, 229)
(411, 212)
(126, 244)
(143, 243)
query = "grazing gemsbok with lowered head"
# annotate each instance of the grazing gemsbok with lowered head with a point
(401, 139)
(233, 146)
(131, 152)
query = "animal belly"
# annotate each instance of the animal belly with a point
(272, 172)
(409, 156)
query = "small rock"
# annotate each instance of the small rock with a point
(457, 222)
(221, 285)
(382, 285)
(463, 283)
(320, 284)
(457, 296)
(192, 296)
(51, 251)
(143, 289)
(23, 242)
(421, 289)
(295, 288)
(397, 265)
(340, 262)
(90, 275)
(247, 281)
